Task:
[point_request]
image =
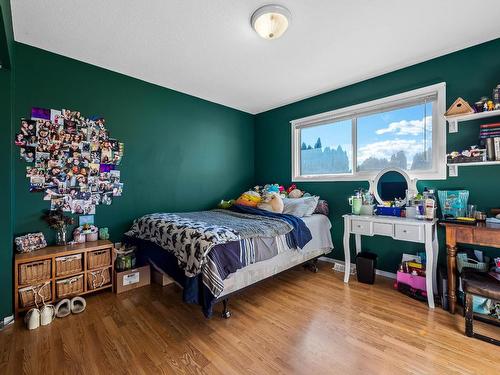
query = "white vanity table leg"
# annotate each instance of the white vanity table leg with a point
(429, 265)
(347, 250)
(435, 250)
(357, 238)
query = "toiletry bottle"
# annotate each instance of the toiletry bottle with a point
(429, 203)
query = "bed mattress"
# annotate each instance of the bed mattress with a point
(320, 244)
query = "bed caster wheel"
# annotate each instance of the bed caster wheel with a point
(312, 267)
(226, 314)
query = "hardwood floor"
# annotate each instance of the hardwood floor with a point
(297, 323)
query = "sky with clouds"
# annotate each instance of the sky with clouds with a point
(379, 135)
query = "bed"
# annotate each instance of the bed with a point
(215, 254)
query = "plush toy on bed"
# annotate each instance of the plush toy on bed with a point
(272, 202)
(249, 198)
(295, 193)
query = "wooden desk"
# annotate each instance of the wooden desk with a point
(481, 234)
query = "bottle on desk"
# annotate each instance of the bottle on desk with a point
(429, 204)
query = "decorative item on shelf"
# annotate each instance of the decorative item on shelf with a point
(459, 107)
(103, 234)
(30, 242)
(58, 222)
(486, 104)
(85, 233)
(472, 155)
(496, 96)
(71, 159)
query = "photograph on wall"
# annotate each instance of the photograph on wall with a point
(71, 159)
(40, 113)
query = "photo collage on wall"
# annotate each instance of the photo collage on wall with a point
(72, 159)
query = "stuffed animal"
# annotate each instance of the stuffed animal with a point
(295, 193)
(271, 188)
(292, 187)
(225, 204)
(272, 203)
(249, 198)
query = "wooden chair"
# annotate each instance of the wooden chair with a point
(480, 284)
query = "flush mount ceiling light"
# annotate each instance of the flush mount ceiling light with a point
(271, 21)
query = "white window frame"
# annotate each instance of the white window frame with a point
(438, 170)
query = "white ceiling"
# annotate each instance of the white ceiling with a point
(207, 48)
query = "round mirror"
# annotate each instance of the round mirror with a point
(391, 184)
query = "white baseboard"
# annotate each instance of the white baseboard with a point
(389, 275)
(6, 321)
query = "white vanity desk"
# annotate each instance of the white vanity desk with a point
(399, 228)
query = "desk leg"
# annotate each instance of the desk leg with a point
(452, 276)
(357, 238)
(435, 250)
(347, 250)
(429, 266)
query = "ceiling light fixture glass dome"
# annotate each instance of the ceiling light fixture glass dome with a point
(271, 21)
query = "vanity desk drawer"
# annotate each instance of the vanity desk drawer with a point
(411, 233)
(361, 227)
(383, 229)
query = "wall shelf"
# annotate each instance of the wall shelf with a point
(453, 167)
(454, 120)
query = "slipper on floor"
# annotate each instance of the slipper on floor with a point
(63, 308)
(78, 304)
(32, 319)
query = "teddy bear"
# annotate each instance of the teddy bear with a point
(272, 203)
(295, 193)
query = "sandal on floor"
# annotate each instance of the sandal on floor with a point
(32, 319)
(63, 308)
(78, 304)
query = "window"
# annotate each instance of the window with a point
(407, 131)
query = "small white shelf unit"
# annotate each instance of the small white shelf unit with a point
(454, 120)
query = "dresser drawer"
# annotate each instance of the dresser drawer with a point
(361, 227)
(408, 233)
(383, 229)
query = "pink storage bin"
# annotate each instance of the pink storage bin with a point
(416, 282)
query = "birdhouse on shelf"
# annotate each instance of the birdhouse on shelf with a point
(459, 107)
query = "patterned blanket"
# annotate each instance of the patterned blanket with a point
(191, 235)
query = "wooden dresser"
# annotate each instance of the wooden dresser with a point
(481, 234)
(56, 272)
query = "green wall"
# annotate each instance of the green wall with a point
(6, 92)
(470, 73)
(181, 153)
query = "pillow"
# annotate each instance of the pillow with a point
(300, 207)
(322, 208)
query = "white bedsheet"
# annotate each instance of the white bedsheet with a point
(320, 244)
